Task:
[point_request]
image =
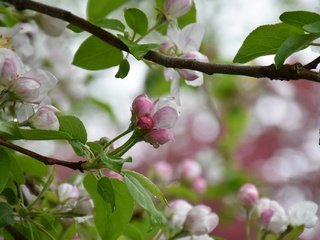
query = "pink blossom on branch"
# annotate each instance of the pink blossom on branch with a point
(248, 195)
(155, 118)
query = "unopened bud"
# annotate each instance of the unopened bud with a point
(159, 137)
(248, 195)
(45, 118)
(142, 105)
(177, 8)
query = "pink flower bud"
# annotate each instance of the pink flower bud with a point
(275, 222)
(142, 105)
(200, 185)
(45, 118)
(248, 195)
(190, 170)
(26, 89)
(265, 217)
(177, 213)
(159, 137)
(163, 171)
(10, 65)
(145, 122)
(177, 8)
(200, 220)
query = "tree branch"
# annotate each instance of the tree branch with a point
(43, 159)
(286, 72)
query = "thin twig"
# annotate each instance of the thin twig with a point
(286, 72)
(43, 159)
(313, 64)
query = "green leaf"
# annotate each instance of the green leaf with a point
(264, 40)
(105, 189)
(148, 184)
(78, 147)
(12, 131)
(136, 20)
(95, 54)
(97, 9)
(142, 197)
(299, 18)
(74, 28)
(5, 164)
(292, 45)
(31, 166)
(74, 127)
(5, 214)
(16, 170)
(138, 50)
(188, 18)
(110, 23)
(312, 27)
(123, 70)
(113, 163)
(110, 224)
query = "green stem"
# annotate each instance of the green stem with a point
(157, 25)
(41, 228)
(45, 187)
(130, 129)
(247, 225)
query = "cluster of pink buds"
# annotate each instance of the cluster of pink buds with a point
(272, 216)
(155, 119)
(194, 222)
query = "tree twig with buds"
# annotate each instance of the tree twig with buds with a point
(286, 72)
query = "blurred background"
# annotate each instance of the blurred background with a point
(231, 130)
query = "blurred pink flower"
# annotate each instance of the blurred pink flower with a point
(200, 185)
(201, 220)
(248, 195)
(177, 8)
(189, 170)
(303, 213)
(163, 171)
(176, 213)
(276, 221)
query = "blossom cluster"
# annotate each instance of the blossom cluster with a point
(190, 222)
(154, 119)
(272, 217)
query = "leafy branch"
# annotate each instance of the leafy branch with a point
(286, 72)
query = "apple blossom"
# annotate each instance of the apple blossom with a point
(303, 213)
(272, 216)
(195, 237)
(163, 171)
(248, 195)
(200, 185)
(189, 170)
(45, 118)
(10, 65)
(184, 43)
(33, 86)
(201, 220)
(66, 191)
(176, 213)
(155, 118)
(177, 8)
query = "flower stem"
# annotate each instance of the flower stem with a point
(45, 187)
(130, 129)
(248, 225)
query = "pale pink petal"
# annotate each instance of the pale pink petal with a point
(159, 137)
(191, 37)
(177, 8)
(165, 117)
(142, 105)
